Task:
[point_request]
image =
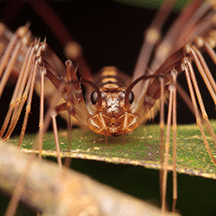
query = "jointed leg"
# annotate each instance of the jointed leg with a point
(151, 37)
(19, 96)
(204, 70)
(12, 51)
(167, 145)
(74, 104)
(72, 48)
(171, 117)
(162, 136)
(174, 122)
(55, 131)
(41, 122)
(28, 105)
(190, 77)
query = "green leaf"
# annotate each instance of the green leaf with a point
(153, 4)
(142, 147)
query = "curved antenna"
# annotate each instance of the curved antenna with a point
(85, 81)
(130, 87)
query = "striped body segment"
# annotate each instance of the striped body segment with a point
(112, 118)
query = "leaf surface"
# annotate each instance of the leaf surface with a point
(142, 147)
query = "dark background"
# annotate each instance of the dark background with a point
(111, 34)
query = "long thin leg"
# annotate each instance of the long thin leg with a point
(51, 113)
(28, 106)
(41, 120)
(167, 45)
(195, 19)
(73, 93)
(201, 104)
(59, 108)
(73, 87)
(67, 162)
(55, 131)
(19, 97)
(162, 99)
(167, 145)
(161, 131)
(151, 37)
(72, 48)
(17, 89)
(52, 106)
(186, 66)
(204, 71)
(14, 201)
(9, 67)
(8, 51)
(209, 50)
(174, 120)
(41, 123)
(18, 109)
(23, 34)
(76, 94)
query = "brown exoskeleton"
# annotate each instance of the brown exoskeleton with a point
(116, 103)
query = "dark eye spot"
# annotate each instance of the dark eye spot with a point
(94, 97)
(131, 97)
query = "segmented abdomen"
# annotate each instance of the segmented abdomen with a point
(110, 77)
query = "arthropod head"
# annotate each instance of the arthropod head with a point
(113, 109)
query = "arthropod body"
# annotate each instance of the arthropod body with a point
(115, 104)
(111, 101)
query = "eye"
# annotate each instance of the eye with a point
(94, 97)
(131, 97)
